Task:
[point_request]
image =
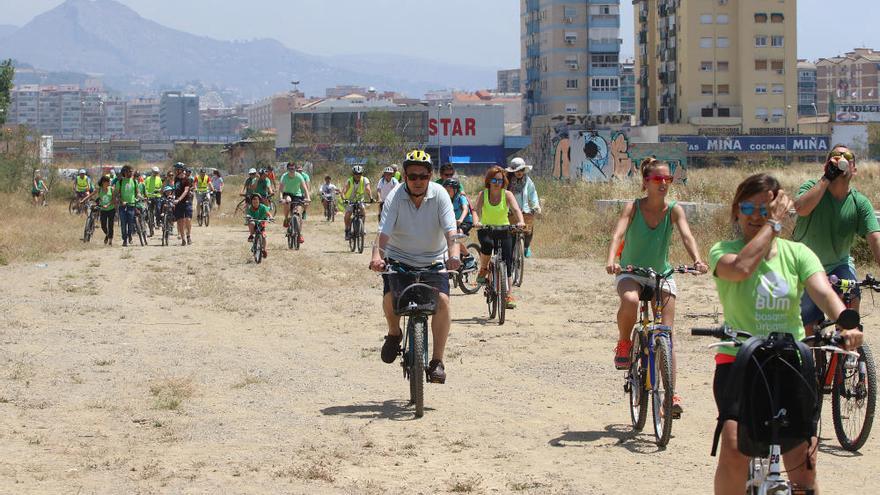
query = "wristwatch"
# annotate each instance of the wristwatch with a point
(776, 226)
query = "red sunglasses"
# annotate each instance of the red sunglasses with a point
(659, 179)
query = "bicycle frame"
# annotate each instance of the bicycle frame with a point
(651, 327)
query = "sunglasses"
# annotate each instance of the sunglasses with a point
(846, 154)
(659, 179)
(415, 177)
(446, 176)
(496, 181)
(747, 208)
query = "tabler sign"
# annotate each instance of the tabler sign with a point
(751, 144)
(857, 113)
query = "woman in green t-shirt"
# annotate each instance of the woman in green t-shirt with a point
(257, 212)
(104, 202)
(641, 238)
(39, 191)
(760, 280)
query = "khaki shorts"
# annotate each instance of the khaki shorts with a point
(668, 284)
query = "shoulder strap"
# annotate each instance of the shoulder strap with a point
(731, 394)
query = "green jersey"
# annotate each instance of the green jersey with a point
(127, 189)
(261, 186)
(293, 183)
(769, 300)
(831, 228)
(261, 213)
(647, 247)
(105, 199)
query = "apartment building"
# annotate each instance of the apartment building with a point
(628, 87)
(849, 79)
(67, 111)
(179, 114)
(718, 66)
(570, 59)
(142, 118)
(508, 81)
(806, 72)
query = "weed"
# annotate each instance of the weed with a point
(171, 392)
(104, 362)
(35, 440)
(252, 377)
(317, 470)
(465, 484)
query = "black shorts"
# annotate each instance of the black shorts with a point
(184, 209)
(466, 227)
(439, 281)
(720, 385)
(293, 198)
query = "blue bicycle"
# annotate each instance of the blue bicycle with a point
(650, 370)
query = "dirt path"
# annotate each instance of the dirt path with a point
(268, 380)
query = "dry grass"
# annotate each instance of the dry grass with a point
(465, 484)
(33, 234)
(170, 393)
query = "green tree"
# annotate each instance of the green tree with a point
(7, 74)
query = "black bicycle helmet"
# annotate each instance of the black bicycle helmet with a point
(452, 182)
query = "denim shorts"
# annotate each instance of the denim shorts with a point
(668, 284)
(810, 313)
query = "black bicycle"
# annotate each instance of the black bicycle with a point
(330, 206)
(496, 288)
(139, 224)
(258, 245)
(204, 214)
(519, 257)
(166, 220)
(358, 226)
(92, 214)
(415, 301)
(294, 227)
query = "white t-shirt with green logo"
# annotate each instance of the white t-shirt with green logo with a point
(769, 300)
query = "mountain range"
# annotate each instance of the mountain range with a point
(109, 39)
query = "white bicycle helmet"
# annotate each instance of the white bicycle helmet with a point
(357, 170)
(388, 170)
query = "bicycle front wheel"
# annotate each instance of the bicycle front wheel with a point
(87, 231)
(141, 232)
(73, 207)
(417, 331)
(636, 376)
(468, 278)
(360, 237)
(501, 289)
(662, 392)
(353, 235)
(258, 248)
(207, 214)
(853, 398)
(491, 295)
(296, 228)
(518, 261)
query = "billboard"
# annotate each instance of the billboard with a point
(752, 144)
(466, 125)
(857, 113)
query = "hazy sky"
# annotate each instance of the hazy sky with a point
(473, 32)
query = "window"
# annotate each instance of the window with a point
(760, 41)
(723, 42)
(572, 62)
(777, 41)
(706, 89)
(571, 84)
(723, 89)
(706, 66)
(604, 83)
(571, 108)
(569, 14)
(604, 60)
(571, 38)
(705, 42)
(777, 18)
(778, 113)
(761, 113)
(778, 66)
(778, 89)
(723, 111)
(706, 112)
(722, 19)
(760, 89)
(722, 66)
(761, 64)
(706, 19)
(760, 18)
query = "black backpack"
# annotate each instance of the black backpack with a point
(763, 365)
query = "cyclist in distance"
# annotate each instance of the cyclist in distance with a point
(203, 185)
(397, 172)
(39, 190)
(308, 178)
(257, 212)
(494, 207)
(293, 188)
(183, 210)
(217, 184)
(385, 185)
(526, 195)
(641, 238)
(328, 192)
(447, 171)
(153, 189)
(357, 188)
(82, 185)
(760, 279)
(417, 230)
(263, 186)
(831, 213)
(104, 203)
(250, 184)
(464, 219)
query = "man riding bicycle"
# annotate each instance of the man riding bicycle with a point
(82, 185)
(526, 195)
(328, 192)
(294, 188)
(250, 184)
(830, 215)
(417, 231)
(356, 189)
(203, 187)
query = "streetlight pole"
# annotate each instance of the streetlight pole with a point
(452, 122)
(295, 95)
(787, 133)
(439, 148)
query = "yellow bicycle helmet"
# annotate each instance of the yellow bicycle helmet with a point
(417, 157)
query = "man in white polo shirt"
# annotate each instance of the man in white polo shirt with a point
(417, 230)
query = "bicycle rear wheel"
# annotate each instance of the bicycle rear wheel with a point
(257, 247)
(468, 279)
(141, 232)
(166, 230)
(87, 231)
(417, 331)
(853, 398)
(518, 261)
(501, 284)
(295, 231)
(662, 393)
(635, 376)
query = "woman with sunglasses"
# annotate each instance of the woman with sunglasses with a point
(493, 205)
(641, 238)
(830, 215)
(760, 279)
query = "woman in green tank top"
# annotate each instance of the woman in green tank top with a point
(493, 205)
(104, 197)
(641, 238)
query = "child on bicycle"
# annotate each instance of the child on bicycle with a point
(257, 212)
(463, 217)
(641, 238)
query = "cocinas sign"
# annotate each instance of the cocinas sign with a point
(751, 144)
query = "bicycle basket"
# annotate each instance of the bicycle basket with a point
(783, 368)
(412, 298)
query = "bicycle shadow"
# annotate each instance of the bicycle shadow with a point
(394, 410)
(473, 320)
(835, 450)
(624, 436)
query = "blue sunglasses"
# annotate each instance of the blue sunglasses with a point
(747, 208)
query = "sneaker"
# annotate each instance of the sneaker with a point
(481, 277)
(286, 223)
(676, 406)
(251, 238)
(347, 235)
(436, 372)
(189, 240)
(106, 239)
(511, 302)
(124, 243)
(265, 254)
(621, 354)
(183, 242)
(528, 253)
(301, 240)
(469, 263)
(391, 348)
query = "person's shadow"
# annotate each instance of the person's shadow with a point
(395, 410)
(624, 436)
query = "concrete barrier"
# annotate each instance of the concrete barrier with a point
(691, 209)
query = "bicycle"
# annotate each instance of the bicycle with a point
(204, 214)
(496, 288)
(258, 245)
(245, 202)
(92, 214)
(151, 216)
(166, 216)
(358, 222)
(330, 207)
(851, 380)
(139, 227)
(765, 472)
(465, 278)
(75, 206)
(519, 257)
(650, 370)
(294, 226)
(415, 302)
